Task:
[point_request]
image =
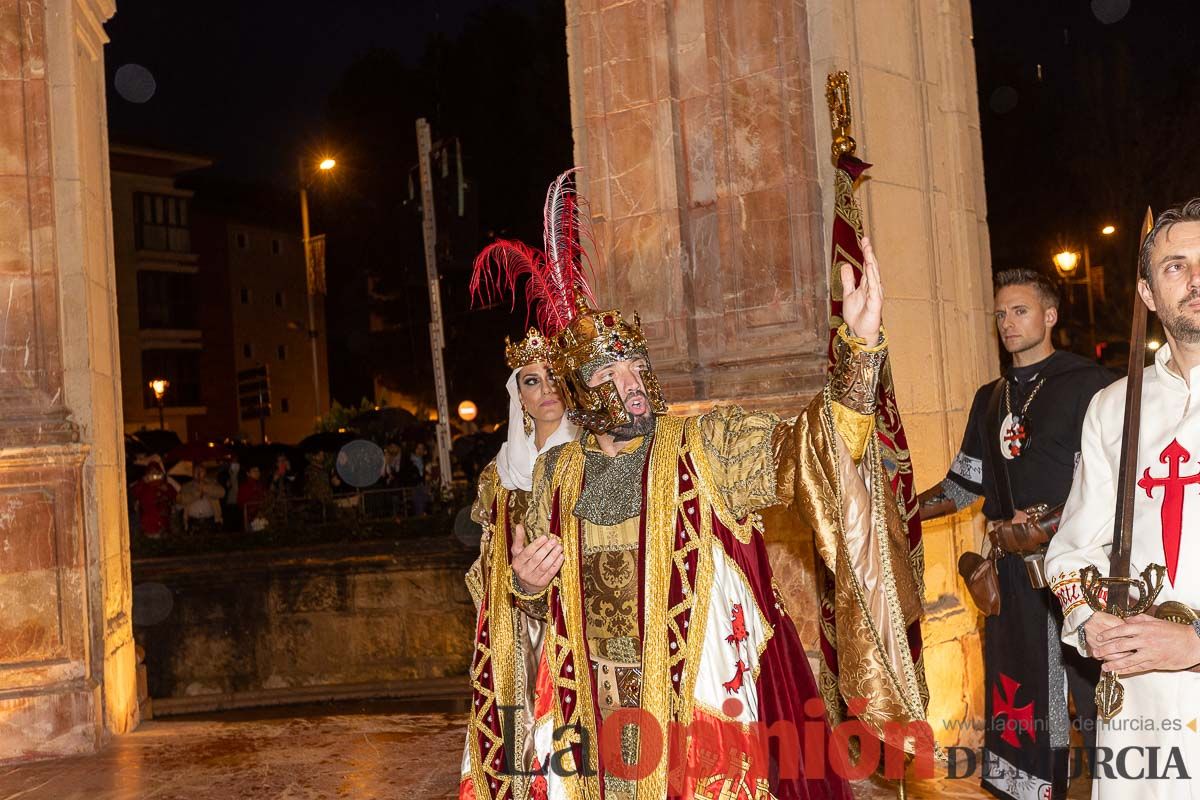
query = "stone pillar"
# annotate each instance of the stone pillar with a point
(694, 127)
(67, 662)
(702, 130)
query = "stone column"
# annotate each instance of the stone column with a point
(702, 130)
(694, 128)
(67, 665)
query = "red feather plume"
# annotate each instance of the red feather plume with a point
(555, 275)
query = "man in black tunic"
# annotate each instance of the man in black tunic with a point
(1028, 423)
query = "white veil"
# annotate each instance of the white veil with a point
(517, 456)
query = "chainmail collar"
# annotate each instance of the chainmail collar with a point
(612, 485)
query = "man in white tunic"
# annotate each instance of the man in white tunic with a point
(1151, 749)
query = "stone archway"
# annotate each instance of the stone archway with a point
(68, 672)
(646, 77)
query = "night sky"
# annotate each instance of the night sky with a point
(1088, 110)
(247, 82)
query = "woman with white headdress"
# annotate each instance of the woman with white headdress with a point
(500, 742)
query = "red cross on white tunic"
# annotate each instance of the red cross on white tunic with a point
(1174, 485)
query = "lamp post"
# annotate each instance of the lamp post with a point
(1066, 262)
(325, 165)
(159, 386)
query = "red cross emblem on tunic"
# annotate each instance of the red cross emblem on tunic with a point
(1174, 485)
(1020, 718)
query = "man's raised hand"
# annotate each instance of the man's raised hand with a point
(862, 304)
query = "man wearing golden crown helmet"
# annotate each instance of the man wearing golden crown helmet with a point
(666, 643)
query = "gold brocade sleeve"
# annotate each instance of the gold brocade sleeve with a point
(829, 470)
(738, 447)
(489, 480)
(744, 453)
(854, 428)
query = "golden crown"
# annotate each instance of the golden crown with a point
(532, 349)
(597, 334)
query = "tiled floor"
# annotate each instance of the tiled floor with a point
(366, 750)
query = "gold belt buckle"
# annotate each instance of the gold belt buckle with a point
(1174, 611)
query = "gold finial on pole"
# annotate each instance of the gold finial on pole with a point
(837, 94)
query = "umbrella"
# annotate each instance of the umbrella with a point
(199, 453)
(328, 442)
(384, 423)
(154, 441)
(263, 456)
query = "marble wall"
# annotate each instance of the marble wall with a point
(702, 131)
(67, 661)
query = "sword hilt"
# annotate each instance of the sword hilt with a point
(1148, 585)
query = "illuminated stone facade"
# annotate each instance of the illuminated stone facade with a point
(702, 130)
(67, 660)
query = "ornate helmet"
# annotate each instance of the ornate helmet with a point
(593, 339)
(581, 338)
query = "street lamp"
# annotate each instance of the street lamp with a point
(325, 165)
(159, 386)
(1108, 230)
(1066, 262)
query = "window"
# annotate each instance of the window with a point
(181, 368)
(161, 222)
(276, 247)
(279, 299)
(166, 300)
(245, 296)
(284, 405)
(248, 351)
(243, 242)
(281, 351)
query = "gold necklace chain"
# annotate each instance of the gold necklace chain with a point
(1028, 400)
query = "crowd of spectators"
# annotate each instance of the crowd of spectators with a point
(228, 495)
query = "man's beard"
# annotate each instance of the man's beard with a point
(639, 426)
(1182, 326)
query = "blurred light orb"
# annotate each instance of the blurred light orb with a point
(1003, 100)
(134, 83)
(327, 164)
(1110, 11)
(1153, 345)
(1109, 230)
(360, 463)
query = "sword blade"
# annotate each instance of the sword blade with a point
(1118, 562)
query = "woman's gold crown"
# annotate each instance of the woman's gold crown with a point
(530, 350)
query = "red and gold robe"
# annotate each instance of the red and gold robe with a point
(507, 648)
(718, 653)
